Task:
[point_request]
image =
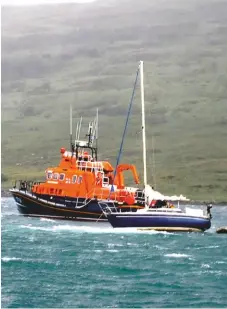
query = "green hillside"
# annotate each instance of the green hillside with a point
(87, 55)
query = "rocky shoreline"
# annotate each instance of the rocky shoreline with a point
(6, 193)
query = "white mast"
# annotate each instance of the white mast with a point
(143, 125)
(97, 132)
(70, 126)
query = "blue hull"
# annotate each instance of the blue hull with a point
(38, 207)
(60, 208)
(161, 222)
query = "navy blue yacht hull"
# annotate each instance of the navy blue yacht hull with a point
(159, 222)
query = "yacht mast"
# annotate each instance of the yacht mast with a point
(70, 128)
(143, 125)
(97, 127)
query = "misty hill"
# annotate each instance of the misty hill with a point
(87, 55)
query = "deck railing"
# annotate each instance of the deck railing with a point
(89, 166)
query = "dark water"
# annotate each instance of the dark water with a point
(48, 264)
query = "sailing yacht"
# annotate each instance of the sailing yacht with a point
(163, 218)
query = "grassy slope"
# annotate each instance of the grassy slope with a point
(87, 54)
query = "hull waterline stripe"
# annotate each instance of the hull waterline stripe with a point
(171, 229)
(161, 215)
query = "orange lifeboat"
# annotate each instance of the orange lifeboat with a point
(77, 185)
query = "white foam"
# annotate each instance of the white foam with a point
(39, 228)
(47, 220)
(131, 244)
(210, 247)
(205, 266)
(177, 255)
(206, 247)
(8, 259)
(95, 229)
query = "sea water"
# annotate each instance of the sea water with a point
(60, 264)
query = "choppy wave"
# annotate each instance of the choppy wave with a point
(90, 229)
(177, 255)
(205, 266)
(9, 259)
(34, 260)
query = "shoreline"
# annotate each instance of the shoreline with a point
(6, 193)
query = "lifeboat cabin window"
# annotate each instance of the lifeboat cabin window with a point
(55, 176)
(74, 179)
(105, 180)
(79, 179)
(49, 175)
(62, 176)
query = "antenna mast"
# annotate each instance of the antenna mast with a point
(79, 128)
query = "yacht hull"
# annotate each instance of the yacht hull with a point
(161, 222)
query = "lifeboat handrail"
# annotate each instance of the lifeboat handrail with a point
(104, 196)
(105, 207)
(85, 165)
